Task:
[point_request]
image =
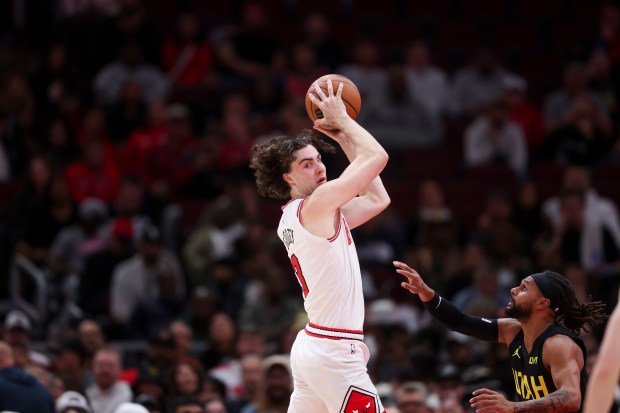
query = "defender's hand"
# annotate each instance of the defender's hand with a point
(488, 401)
(415, 284)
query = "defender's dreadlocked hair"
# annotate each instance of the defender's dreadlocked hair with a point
(573, 314)
(271, 160)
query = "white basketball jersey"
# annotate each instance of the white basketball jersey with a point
(328, 271)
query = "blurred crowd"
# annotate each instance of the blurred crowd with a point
(126, 127)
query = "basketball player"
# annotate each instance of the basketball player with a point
(606, 372)
(546, 355)
(328, 358)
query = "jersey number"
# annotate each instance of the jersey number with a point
(299, 274)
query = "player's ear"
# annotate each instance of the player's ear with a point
(287, 178)
(544, 303)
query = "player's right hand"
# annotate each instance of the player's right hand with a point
(332, 106)
(414, 282)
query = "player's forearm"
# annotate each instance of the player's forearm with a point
(559, 401)
(364, 144)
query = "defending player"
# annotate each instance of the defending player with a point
(546, 355)
(328, 357)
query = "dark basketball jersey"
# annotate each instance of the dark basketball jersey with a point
(532, 379)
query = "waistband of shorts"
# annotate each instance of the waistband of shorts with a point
(315, 330)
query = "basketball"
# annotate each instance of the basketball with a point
(350, 96)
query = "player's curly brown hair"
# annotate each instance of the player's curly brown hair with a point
(272, 159)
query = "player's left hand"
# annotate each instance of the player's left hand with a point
(489, 401)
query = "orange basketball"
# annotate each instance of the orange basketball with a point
(350, 96)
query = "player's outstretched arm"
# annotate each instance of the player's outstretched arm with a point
(502, 330)
(370, 157)
(606, 372)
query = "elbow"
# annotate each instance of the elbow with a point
(574, 402)
(381, 160)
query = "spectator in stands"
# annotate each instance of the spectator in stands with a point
(237, 143)
(318, 34)
(411, 397)
(94, 175)
(581, 140)
(214, 238)
(135, 280)
(170, 165)
(150, 382)
(183, 337)
(127, 114)
(501, 238)
(46, 221)
(277, 388)
(396, 116)
(274, 311)
(75, 243)
(365, 69)
(220, 358)
(108, 392)
(34, 196)
(96, 279)
(564, 107)
(184, 380)
(303, 71)
(522, 112)
(449, 389)
(132, 203)
(187, 57)
(68, 362)
(111, 79)
(16, 332)
(609, 31)
(55, 78)
(138, 145)
(186, 405)
(528, 217)
(251, 377)
(73, 402)
(60, 147)
(202, 307)
(427, 84)
(482, 298)
(491, 137)
(603, 80)
(478, 84)
(91, 336)
(128, 24)
(250, 52)
(155, 313)
(597, 207)
(579, 238)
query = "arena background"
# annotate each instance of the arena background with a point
(126, 127)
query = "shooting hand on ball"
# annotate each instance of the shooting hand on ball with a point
(331, 105)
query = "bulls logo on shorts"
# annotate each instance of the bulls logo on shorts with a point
(360, 401)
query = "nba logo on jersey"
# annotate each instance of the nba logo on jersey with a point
(360, 401)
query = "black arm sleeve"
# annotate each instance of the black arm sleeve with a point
(456, 320)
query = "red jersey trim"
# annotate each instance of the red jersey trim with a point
(335, 330)
(333, 238)
(329, 337)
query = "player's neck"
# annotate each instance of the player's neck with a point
(532, 328)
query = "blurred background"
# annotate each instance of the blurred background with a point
(129, 216)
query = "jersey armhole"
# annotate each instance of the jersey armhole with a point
(336, 233)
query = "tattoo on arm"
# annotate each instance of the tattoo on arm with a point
(555, 402)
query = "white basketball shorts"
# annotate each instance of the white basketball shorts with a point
(330, 374)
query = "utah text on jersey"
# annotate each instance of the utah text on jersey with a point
(530, 387)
